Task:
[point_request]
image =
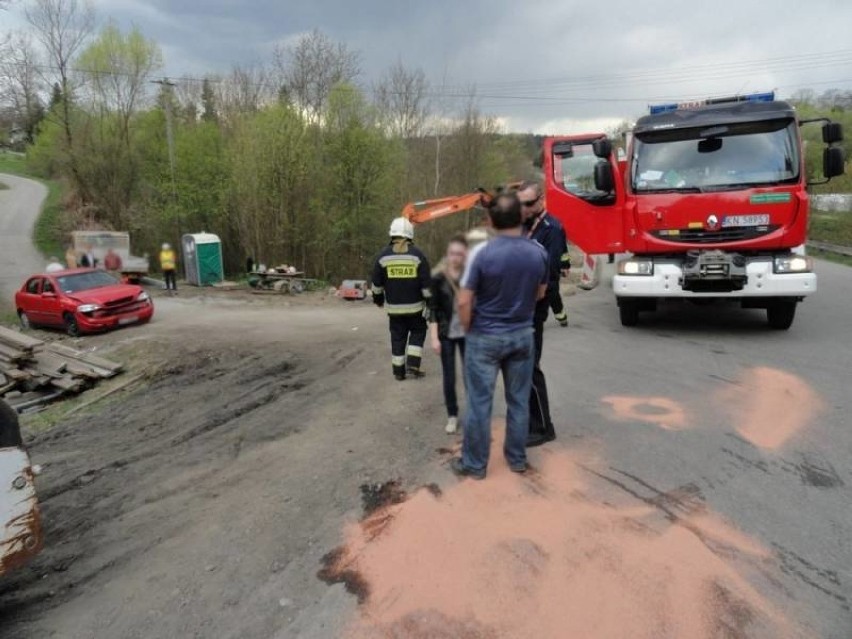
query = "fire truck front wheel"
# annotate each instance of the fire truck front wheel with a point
(781, 313)
(628, 311)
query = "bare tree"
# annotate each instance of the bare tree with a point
(245, 90)
(63, 26)
(402, 98)
(20, 84)
(311, 68)
(188, 95)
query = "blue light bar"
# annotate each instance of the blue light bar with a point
(657, 109)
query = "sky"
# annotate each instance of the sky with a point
(544, 66)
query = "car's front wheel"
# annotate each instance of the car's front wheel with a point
(71, 325)
(24, 320)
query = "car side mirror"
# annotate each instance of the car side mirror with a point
(604, 179)
(833, 162)
(602, 148)
(832, 132)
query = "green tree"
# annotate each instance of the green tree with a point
(119, 65)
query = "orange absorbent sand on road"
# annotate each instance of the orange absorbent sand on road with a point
(518, 557)
(770, 406)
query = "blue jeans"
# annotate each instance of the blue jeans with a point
(513, 354)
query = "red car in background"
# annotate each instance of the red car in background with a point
(81, 301)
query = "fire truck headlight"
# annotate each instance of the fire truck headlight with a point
(636, 267)
(793, 264)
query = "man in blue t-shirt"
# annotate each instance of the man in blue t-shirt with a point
(501, 284)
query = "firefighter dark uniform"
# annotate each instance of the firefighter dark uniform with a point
(401, 284)
(547, 231)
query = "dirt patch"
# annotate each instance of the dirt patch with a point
(210, 492)
(379, 495)
(534, 557)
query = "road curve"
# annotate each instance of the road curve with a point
(20, 205)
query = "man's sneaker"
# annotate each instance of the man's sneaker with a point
(562, 318)
(416, 373)
(400, 377)
(519, 468)
(452, 425)
(461, 470)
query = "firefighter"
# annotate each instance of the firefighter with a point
(547, 231)
(401, 284)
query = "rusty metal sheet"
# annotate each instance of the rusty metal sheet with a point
(20, 523)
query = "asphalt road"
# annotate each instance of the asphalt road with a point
(697, 410)
(19, 208)
(731, 390)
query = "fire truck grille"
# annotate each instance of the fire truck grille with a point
(704, 236)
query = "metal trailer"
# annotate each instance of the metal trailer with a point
(284, 283)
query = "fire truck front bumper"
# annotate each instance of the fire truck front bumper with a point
(673, 277)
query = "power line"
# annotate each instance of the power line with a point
(543, 95)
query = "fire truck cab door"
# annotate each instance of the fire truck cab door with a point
(591, 215)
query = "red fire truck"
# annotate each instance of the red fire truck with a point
(710, 202)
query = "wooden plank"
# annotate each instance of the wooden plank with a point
(86, 358)
(50, 364)
(12, 354)
(67, 383)
(18, 340)
(111, 391)
(17, 375)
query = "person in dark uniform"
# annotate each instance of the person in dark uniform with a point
(401, 284)
(547, 231)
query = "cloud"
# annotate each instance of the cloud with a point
(543, 64)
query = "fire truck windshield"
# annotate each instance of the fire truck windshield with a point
(716, 158)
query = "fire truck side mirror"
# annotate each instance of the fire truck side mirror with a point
(832, 132)
(602, 148)
(563, 149)
(604, 179)
(833, 162)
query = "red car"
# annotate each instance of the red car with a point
(82, 300)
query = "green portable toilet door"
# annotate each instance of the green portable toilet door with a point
(209, 258)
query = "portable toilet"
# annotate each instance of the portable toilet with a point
(202, 259)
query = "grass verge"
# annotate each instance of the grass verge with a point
(830, 257)
(47, 233)
(835, 228)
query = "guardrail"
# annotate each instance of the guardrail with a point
(830, 248)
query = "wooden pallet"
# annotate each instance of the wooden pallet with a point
(33, 372)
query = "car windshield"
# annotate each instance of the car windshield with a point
(728, 156)
(85, 281)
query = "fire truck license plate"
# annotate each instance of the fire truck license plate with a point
(746, 220)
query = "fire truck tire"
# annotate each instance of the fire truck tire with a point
(781, 314)
(10, 431)
(628, 311)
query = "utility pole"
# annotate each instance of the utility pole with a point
(170, 139)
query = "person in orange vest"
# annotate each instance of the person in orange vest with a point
(168, 264)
